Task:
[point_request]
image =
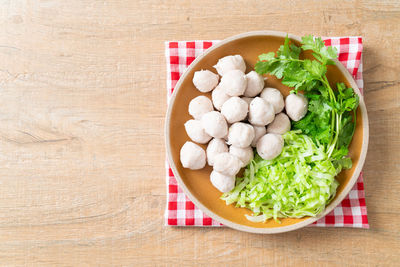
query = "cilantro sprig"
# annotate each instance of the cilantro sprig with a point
(331, 116)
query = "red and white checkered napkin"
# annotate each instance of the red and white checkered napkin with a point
(352, 212)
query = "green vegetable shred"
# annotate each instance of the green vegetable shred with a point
(299, 182)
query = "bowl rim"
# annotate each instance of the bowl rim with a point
(271, 230)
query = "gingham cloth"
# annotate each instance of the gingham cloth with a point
(180, 211)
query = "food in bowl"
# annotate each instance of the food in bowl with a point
(293, 172)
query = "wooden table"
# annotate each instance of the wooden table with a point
(82, 109)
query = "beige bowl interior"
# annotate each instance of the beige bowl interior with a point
(196, 183)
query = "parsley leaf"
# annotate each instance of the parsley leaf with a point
(323, 54)
(316, 123)
(267, 57)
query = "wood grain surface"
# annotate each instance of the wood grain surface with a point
(83, 98)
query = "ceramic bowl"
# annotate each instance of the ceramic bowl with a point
(196, 183)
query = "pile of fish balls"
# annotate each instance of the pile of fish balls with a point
(242, 115)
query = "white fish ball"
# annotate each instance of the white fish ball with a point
(227, 164)
(255, 84)
(219, 97)
(235, 109)
(240, 134)
(199, 106)
(229, 63)
(196, 132)
(192, 156)
(258, 132)
(205, 80)
(261, 112)
(223, 183)
(296, 106)
(215, 147)
(234, 82)
(214, 124)
(280, 125)
(244, 154)
(270, 146)
(274, 97)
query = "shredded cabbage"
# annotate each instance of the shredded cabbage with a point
(299, 182)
